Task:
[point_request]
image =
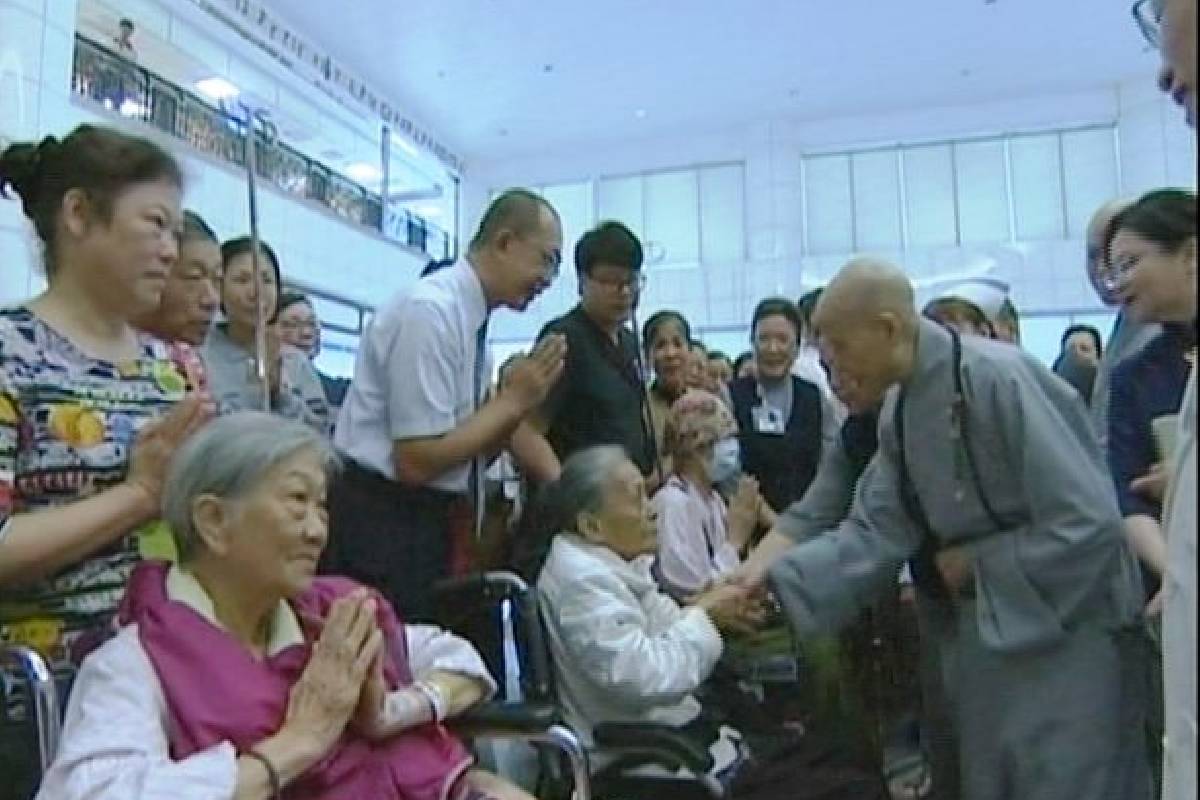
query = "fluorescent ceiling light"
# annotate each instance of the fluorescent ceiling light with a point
(217, 88)
(362, 171)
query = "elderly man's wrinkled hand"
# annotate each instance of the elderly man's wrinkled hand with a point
(1152, 485)
(732, 608)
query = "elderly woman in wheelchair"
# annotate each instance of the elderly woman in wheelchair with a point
(238, 674)
(626, 653)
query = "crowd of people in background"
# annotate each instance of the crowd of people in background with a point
(234, 556)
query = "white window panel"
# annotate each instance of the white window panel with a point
(621, 199)
(929, 196)
(1041, 335)
(338, 351)
(573, 202)
(672, 205)
(722, 213)
(1037, 187)
(876, 200)
(1090, 171)
(982, 192)
(829, 216)
(332, 312)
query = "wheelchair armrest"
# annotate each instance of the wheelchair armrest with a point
(480, 583)
(660, 741)
(511, 718)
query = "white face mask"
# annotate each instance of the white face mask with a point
(726, 460)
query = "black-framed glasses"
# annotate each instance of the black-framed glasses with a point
(634, 283)
(1148, 15)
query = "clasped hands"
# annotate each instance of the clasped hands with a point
(344, 684)
(734, 607)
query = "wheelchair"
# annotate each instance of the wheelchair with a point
(500, 614)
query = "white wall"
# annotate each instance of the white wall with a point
(315, 247)
(1155, 149)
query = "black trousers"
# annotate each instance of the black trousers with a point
(389, 536)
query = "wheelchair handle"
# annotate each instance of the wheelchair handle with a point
(43, 694)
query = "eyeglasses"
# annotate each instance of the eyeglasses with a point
(1117, 273)
(289, 325)
(635, 283)
(1148, 15)
(550, 266)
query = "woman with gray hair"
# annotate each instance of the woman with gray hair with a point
(238, 674)
(626, 652)
(623, 650)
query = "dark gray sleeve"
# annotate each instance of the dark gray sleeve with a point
(825, 581)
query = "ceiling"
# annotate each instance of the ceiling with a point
(499, 78)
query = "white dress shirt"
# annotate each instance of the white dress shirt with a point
(115, 744)
(415, 373)
(808, 367)
(693, 537)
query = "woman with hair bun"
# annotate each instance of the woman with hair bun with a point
(91, 409)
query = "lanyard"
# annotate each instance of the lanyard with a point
(924, 568)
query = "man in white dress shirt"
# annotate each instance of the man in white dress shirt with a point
(417, 428)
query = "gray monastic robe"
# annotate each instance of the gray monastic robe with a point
(824, 505)
(1043, 665)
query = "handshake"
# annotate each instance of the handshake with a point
(734, 607)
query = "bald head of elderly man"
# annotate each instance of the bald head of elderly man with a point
(866, 323)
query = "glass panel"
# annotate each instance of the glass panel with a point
(876, 201)
(982, 192)
(573, 201)
(672, 205)
(1090, 170)
(1037, 187)
(1041, 335)
(621, 199)
(929, 196)
(338, 351)
(829, 221)
(722, 214)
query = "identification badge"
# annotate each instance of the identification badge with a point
(768, 421)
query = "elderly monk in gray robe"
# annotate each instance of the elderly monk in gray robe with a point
(1005, 492)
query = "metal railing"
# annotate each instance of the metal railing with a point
(123, 87)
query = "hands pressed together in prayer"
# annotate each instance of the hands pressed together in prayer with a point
(530, 378)
(344, 676)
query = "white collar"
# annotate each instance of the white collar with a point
(182, 587)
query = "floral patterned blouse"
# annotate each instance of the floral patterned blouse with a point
(67, 423)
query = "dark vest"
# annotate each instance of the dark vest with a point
(783, 465)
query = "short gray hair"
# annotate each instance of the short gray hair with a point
(581, 485)
(227, 458)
